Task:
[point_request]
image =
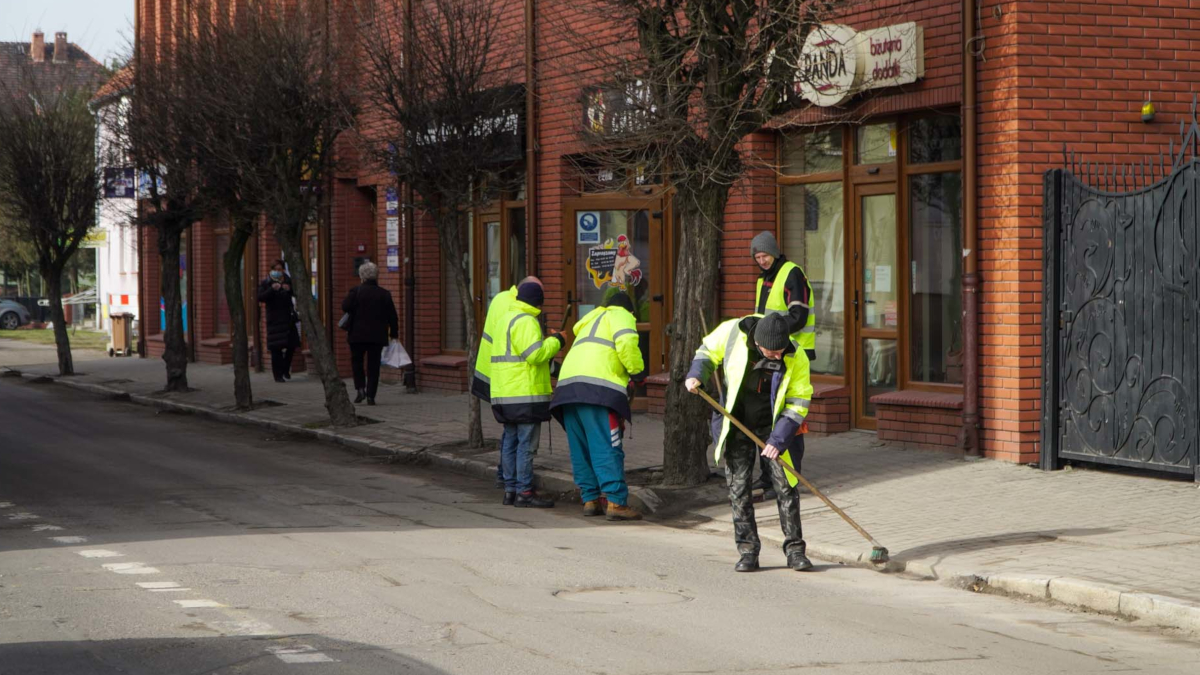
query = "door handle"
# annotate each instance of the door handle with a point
(657, 298)
(856, 304)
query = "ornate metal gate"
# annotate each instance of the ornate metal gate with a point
(1121, 314)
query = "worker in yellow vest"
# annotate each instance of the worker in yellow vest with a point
(521, 391)
(481, 383)
(768, 389)
(783, 288)
(592, 403)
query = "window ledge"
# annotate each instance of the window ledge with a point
(218, 341)
(821, 391)
(445, 361)
(920, 399)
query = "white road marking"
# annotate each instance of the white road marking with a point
(6, 505)
(69, 540)
(23, 516)
(46, 528)
(198, 604)
(158, 585)
(300, 654)
(100, 553)
(130, 568)
(245, 627)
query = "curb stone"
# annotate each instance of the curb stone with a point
(1155, 610)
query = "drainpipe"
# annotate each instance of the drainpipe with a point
(971, 280)
(406, 214)
(531, 203)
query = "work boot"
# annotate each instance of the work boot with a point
(621, 512)
(747, 563)
(531, 500)
(769, 494)
(797, 560)
(592, 508)
(509, 498)
(362, 396)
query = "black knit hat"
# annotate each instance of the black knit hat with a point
(531, 294)
(772, 332)
(620, 300)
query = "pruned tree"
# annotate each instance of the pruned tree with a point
(706, 75)
(49, 184)
(445, 81)
(299, 102)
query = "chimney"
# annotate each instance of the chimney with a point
(60, 47)
(37, 47)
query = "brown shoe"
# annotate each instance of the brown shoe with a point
(621, 512)
(592, 508)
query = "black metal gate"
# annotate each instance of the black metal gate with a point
(1121, 314)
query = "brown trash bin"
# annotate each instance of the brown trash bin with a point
(122, 335)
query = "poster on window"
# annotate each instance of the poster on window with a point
(587, 227)
(614, 264)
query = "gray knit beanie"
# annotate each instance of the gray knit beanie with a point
(764, 242)
(772, 332)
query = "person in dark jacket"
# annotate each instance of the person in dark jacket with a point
(275, 292)
(372, 321)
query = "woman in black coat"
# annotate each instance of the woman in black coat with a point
(275, 292)
(372, 321)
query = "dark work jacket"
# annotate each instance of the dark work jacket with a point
(372, 315)
(795, 289)
(281, 318)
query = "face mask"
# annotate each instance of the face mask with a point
(276, 275)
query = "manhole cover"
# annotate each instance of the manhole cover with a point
(622, 596)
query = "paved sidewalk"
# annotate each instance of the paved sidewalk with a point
(1102, 540)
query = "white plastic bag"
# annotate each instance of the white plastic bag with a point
(394, 355)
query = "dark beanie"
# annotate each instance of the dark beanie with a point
(620, 300)
(531, 294)
(764, 242)
(772, 332)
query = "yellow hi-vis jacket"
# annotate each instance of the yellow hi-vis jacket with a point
(806, 337)
(521, 367)
(597, 369)
(481, 383)
(791, 388)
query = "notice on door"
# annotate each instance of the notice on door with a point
(587, 227)
(883, 278)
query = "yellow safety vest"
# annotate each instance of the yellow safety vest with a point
(521, 367)
(728, 347)
(604, 355)
(806, 337)
(481, 383)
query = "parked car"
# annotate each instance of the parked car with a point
(13, 315)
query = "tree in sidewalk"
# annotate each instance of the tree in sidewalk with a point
(445, 82)
(49, 184)
(706, 75)
(299, 103)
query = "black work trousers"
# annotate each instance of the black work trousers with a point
(281, 361)
(367, 378)
(741, 454)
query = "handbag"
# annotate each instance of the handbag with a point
(346, 322)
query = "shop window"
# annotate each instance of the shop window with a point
(222, 318)
(934, 139)
(813, 237)
(875, 143)
(935, 224)
(516, 243)
(813, 152)
(455, 334)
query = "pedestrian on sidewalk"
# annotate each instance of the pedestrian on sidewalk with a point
(768, 389)
(275, 293)
(481, 382)
(373, 321)
(592, 403)
(520, 391)
(783, 288)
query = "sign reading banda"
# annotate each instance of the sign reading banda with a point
(838, 62)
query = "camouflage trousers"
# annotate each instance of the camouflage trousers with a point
(740, 457)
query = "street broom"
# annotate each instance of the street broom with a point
(879, 554)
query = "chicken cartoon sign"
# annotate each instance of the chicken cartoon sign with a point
(614, 264)
(625, 267)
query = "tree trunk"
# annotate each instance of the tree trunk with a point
(453, 251)
(53, 276)
(174, 346)
(235, 297)
(686, 418)
(337, 402)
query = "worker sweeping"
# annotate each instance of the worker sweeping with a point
(769, 390)
(592, 403)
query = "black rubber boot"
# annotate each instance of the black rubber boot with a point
(747, 563)
(531, 500)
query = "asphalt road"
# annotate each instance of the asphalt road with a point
(140, 543)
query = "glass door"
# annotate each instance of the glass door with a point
(876, 297)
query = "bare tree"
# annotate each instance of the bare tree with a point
(706, 75)
(445, 82)
(49, 185)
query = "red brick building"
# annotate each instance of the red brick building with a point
(928, 169)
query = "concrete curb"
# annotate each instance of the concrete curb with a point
(1155, 610)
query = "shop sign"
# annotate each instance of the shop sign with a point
(95, 239)
(392, 202)
(393, 258)
(393, 231)
(837, 62)
(119, 183)
(614, 264)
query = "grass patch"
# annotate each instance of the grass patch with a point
(80, 339)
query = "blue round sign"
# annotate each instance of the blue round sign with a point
(588, 222)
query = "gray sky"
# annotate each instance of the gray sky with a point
(101, 27)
